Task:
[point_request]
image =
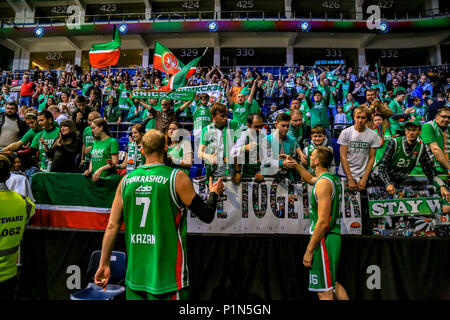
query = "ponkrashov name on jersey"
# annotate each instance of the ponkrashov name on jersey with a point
(146, 179)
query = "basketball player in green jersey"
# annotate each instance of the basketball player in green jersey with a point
(151, 201)
(324, 247)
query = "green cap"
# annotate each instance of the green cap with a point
(413, 123)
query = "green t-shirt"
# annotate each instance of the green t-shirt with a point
(112, 113)
(132, 117)
(43, 101)
(201, 117)
(85, 88)
(29, 135)
(345, 88)
(241, 112)
(297, 134)
(102, 151)
(304, 108)
(347, 107)
(333, 99)
(49, 137)
(319, 110)
(396, 125)
(125, 103)
(431, 132)
(106, 93)
(88, 140)
(151, 123)
(380, 151)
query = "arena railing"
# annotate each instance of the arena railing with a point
(226, 15)
(276, 71)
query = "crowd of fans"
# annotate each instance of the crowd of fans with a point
(63, 124)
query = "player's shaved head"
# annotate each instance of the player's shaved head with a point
(153, 141)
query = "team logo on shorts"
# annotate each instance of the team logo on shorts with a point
(169, 61)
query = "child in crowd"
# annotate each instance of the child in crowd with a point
(419, 110)
(340, 119)
(318, 138)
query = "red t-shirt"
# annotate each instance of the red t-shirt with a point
(26, 89)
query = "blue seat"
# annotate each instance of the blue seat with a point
(193, 172)
(204, 171)
(114, 287)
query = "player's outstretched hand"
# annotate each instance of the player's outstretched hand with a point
(217, 187)
(288, 162)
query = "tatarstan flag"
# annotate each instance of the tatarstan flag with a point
(180, 78)
(105, 55)
(164, 60)
(71, 200)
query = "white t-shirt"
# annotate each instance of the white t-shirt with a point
(20, 184)
(359, 144)
(69, 67)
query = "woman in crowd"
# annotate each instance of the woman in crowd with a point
(104, 153)
(134, 157)
(108, 91)
(93, 102)
(65, 149)
(112, 112)
(349, 106)
(64, 104)
(180, 150)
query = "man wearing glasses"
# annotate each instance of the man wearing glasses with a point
(247, 149)
(436, 135)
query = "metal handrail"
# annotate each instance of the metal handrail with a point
(234, 15)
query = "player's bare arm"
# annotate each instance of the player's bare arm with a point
(323, 192)
(103, 273)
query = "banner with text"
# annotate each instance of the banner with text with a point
(416, 207)
(272, 206)
(213, 90)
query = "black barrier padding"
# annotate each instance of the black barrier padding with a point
(252, 267)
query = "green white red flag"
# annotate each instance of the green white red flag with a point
(164, 60)
(105, 55)
(180, 78)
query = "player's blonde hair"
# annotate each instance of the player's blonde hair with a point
(153, 141)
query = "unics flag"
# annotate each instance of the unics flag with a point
(165, 61)
(180, 78)
(105, 55)
(71, 200)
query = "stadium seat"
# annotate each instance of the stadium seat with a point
(114, 288)
(193, 172)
